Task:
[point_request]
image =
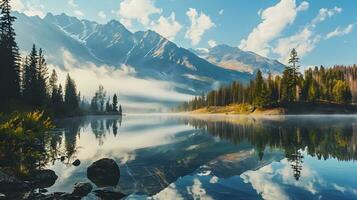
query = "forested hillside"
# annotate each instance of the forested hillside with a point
(336, 85)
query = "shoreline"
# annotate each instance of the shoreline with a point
(279, 110)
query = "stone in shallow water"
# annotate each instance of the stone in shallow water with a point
(76, 163)
(108, 195)
(62, 158)
(82, 189)
(12, 184)
(104, 172)
(44, 178)
(52, 196)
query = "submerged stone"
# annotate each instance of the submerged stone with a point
(107, 195)
(82, 189)
(76, 163)
(104, 172)
(44, 178)
(62, 158)
(11, 184)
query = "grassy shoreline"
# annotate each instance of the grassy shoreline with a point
(295, 108)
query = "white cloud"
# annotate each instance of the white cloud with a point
(126, 22)
(72, 4)
(17, 5)
(274, 20)
(169, 193)
(214, 180)
(200, 23)
(116, 79)
(212, 43)
(34, 10)
(305, 40)
(28, 8)
(221, 12)
(102, 15)
(268, 180)
(340, 32)
(78, 13)
(197, 191)
(325, 13)
(139, 10)
(167, 27)
(303, 6)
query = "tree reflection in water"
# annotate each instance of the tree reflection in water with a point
(322, 138)
(60, 145)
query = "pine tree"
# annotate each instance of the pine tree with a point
(30, 87)
(115, 103)
(101, 97)
(42, 78)
(294, 60)
(9, 55)
(57, 103)
(290, 80)
(71, 98)
(108, 106)
(260, 90)
(53, 83)
(120, 110)
(94, 103)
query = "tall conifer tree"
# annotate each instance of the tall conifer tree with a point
(9, 55)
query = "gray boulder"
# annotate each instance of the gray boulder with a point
(44, 178)
(104, 172)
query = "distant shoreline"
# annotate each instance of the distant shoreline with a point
(296, 108)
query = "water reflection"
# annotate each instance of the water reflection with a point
(322, 138)
(326, 137)
(211, 156)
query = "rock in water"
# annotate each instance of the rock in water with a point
(82, 189)
(62, 158)
(104, 172)
(108, 195)
(76, 163)
(44, 178)
(12, 184)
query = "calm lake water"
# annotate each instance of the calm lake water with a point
(214, 157)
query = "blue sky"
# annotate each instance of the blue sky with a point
(323, 31)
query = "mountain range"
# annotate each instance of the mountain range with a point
(151, 55)
(234, 58)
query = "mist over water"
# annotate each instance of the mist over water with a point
(214, 157)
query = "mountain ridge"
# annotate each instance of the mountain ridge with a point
(150, 54)
(236, 59)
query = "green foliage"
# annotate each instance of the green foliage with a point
(35, 78)
(26, 82)
(71, 100)
(9, 56)
(115, 103)
(342, 92)
(102, 105)
(261, 95)
(23, 141)
(316, 85)
(21, 129)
